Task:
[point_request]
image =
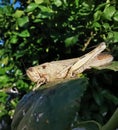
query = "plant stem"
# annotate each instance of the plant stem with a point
(112, 123)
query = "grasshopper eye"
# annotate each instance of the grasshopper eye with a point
(44, 66)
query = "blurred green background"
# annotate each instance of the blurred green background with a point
(44, 30)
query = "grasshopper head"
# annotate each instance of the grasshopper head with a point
(33, 74)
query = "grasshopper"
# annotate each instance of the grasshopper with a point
(63, 69)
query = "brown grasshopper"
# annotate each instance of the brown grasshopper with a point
(63, 69)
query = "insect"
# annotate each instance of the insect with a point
(62, 69)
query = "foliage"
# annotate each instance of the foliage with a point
(47, 110)
(43, 30)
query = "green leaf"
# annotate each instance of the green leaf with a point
(22, 21)
(4, 60)
(4, 79)
(19, 54)
(97, 15)
(100, 6)
(113, 36)
(88, 125)
(14, 39)
(70, 41)
(115, 17)
(109, 12)
(39, 1)
(3, 110)
(45, 9)
(8, 10)
(31, 7)
(37, 20)
(96, 26)
(24, 33)
(3, 96)
(58, 3)
(110, 97)
(2, 71)
(77, 3)
(18, 13)
(113, 66)
(106, 26)
(50, 109)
